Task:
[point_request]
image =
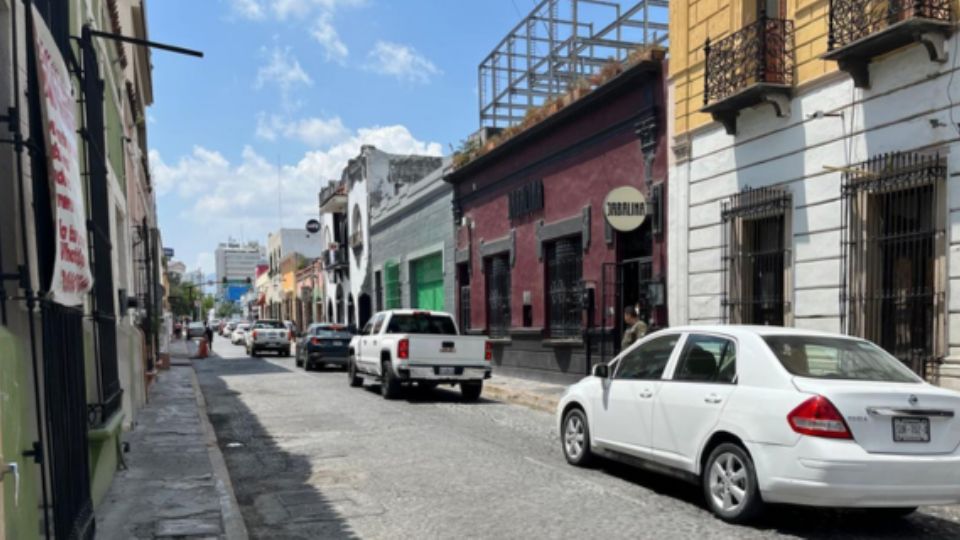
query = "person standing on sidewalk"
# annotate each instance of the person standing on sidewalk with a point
(634, 328)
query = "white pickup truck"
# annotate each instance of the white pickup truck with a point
(267, 335)
(405, 346)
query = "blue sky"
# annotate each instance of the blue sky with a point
(287, 92)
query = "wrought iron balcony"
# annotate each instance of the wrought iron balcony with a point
(861, 30)
(335, 259)
(751, 66)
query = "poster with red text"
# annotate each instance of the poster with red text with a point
(71, 271)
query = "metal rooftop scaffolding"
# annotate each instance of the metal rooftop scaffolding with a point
(558, 43)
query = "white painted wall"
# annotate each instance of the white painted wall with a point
(907, 108)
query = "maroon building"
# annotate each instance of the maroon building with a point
(539, 269)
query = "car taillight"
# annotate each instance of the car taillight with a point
(290, 335)
(254, 334)
(819, 418)
(487, 351)
(403, 349)
(315, 341)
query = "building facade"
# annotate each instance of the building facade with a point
(539, 269)
(345, 226)
(280, 245)
(813, 174)
(93, 349)
(411, 234)
(236, 266)
(309, 301)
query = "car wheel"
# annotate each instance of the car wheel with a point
(254, 353)
(355, 380)
(389, 385)
(471, 390)
(575, 436)
(286, 352)
(730, 484)
(299, 362)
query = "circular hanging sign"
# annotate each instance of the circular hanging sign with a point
(625, 208)
(313, 226)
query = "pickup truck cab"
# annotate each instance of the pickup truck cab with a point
(268, 335)
(406, 346)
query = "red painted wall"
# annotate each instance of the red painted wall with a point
(572, 178)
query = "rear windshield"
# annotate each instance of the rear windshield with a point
(425, 323)
(243, 326)
(325, 333)
(269, 324)
(837, 358)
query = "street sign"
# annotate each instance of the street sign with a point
(625, 208)
(168, 253)
(313, 226)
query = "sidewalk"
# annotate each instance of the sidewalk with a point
(536, 395)
(176, 483)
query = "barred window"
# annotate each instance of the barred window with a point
(564, 263)
(894, 270)
(756, 257)
(497, 270)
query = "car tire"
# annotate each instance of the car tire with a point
(254, 353)
(300, 363)
(575, 438)
(729, 481)
(355, 380)
(389, 385)
(286, 352)
(471, 390)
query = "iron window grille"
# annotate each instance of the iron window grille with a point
(656, 209)
(564, 264)
(464, 308)
(497, 271)
(756, 257)
(761, 52)
(853, 20)
(893, 261)
(526, 200)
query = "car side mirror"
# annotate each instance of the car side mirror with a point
(601, 370)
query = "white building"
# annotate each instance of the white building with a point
(237, 263)
(827, 204)
(177, 268)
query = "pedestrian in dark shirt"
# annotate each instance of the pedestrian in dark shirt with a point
(209, 333)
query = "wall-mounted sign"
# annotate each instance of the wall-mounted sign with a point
(168, 253)
(625, 208)
(313, 226)
(72, 278)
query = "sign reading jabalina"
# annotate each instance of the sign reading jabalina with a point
(625, 208)
(71, 272)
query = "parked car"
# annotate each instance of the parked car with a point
(268, 335)
(323, 344)
(215, 324)
(771, 415)
(405, 346)
(196, 330)
(239, 335)
(229, 328)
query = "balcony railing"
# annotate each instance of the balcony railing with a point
(335, 259)
(864, 29)
(747, 68)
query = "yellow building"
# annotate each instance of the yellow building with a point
(812, 170)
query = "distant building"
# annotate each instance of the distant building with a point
(280, 245)
(236, 268)
(176, 268)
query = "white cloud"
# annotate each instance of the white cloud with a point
(301, 8)
(221, 198)
(326, 35)
(310, 131)
(282, 70)
(401, 61)
(248, 9)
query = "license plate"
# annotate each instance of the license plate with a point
(448, 349)
(337, 343)
(911, 429)
(446, 371)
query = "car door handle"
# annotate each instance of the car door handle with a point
(712, 398)
(646, 394)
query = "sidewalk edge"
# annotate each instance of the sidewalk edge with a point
(233, 524)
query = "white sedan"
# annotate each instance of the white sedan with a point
(239, 335)
(769, 414)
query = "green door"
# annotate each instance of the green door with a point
(391, 285)
(427, 282)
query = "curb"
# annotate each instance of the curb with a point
(233, 524)
(532, 401)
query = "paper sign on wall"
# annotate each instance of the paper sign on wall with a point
(71, 271)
